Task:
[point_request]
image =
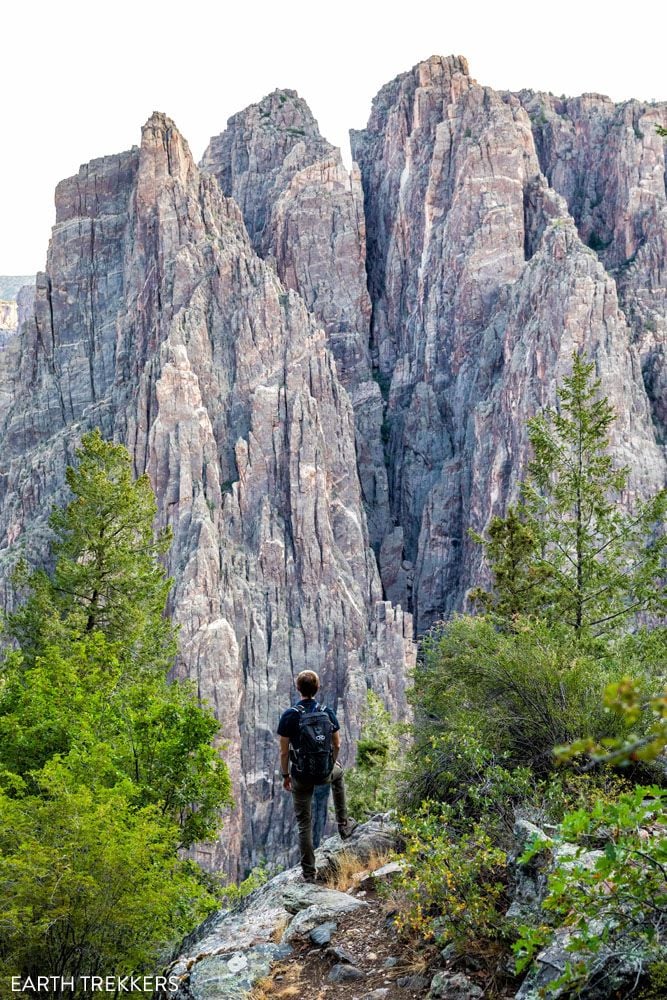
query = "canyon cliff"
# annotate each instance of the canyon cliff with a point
(156, 321)
(481, 289)
(304, 213)
(327, 373)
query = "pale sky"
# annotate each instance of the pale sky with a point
(78, 79)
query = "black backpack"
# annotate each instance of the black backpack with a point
(313, 761)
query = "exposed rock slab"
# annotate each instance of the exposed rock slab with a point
(284, 908)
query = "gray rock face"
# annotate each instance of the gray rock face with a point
(157, 322)
(8, 318)
(12, 312)
(481, 289)
(260, 152)
(304, 213)
(9, 353)
(608, 162)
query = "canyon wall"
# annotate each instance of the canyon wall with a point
(327, 373)
(481, 288)
(157, 321)
(304, 214)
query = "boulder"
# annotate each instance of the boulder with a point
(343, 973)
(453, 986)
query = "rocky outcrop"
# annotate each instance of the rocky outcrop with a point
(616, 967)
(304, 212)
(10, 352)
(156, 321)
(481, 289)
(234, 948)
(608, 162)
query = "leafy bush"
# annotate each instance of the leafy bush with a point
(565, 791)
(228, 895)
(522, 692)
(455, 767)
(88, 883)
(453, 889)
(371, 783)
(78, 703)
(642, 706)
(613, 901)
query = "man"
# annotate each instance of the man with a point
(294, 770)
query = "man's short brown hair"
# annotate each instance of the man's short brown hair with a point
(308, 683)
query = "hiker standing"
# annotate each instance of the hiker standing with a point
(309, 744)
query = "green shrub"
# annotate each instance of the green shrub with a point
(640, 703)
(371, 783)
(522, 691)
(614, 901)
(453, 889)
(228, 895)
(655, 987)
(455, 767)
(89, 884)
(565, 791)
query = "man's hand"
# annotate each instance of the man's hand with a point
(287, 783)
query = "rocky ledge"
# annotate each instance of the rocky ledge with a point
(294, 939)
(235, 948)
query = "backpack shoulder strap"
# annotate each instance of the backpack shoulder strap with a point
(302, 711)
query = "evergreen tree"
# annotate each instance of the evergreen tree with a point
(569, 551)
(371, 783)
(519, 579)
(107, 769)
(96, 647)
(107, 574)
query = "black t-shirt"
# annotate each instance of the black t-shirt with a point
(289, 720)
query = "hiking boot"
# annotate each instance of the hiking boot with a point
(347, 828)
(311, 879)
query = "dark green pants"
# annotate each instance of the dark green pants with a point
(302, 797)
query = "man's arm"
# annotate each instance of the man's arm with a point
(335, 744)
(284, 763)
